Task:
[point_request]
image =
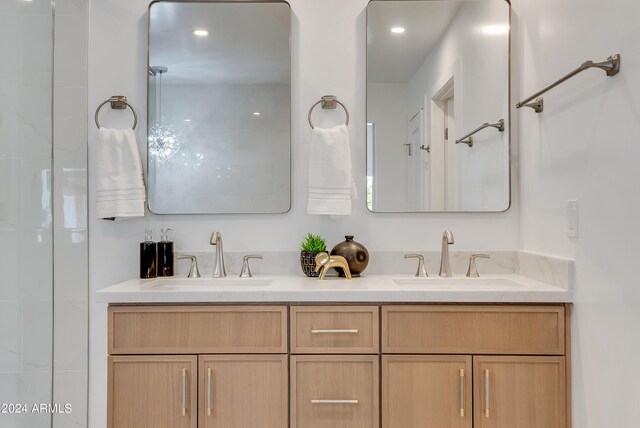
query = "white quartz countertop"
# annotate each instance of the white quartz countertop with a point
(505, 288)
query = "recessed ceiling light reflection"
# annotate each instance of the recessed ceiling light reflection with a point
(256, 113)
(495, 30)
(187, 120)
(201, 32)
(398, 30)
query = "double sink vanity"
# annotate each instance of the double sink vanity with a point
(385, 349)
(379, 350)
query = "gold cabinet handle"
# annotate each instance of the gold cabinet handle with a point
(209, 393)
(184, 392)
(486, 393)
(346, 331)
(462, 393)
(334, 401)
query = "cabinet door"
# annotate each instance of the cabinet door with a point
(523, 392)
(150, 391)
(241, 391)
(337, 391)
(426, 391)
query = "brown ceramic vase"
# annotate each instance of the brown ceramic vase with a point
(356, 254)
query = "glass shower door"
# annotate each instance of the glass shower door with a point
(26, 218)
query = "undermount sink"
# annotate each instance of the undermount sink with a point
(181, 283)
(437, 281)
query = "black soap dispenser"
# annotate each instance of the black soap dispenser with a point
(148, 256)
(165, 254)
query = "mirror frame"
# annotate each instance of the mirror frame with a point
(284, 2)
(509, 115)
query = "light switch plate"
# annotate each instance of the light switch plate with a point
(572, 218)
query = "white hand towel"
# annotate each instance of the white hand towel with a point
(330, 172)
(120, 191)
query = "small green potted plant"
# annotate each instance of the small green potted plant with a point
(310, 247)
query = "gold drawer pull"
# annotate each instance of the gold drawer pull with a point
(486, 393)
(347, 331)
(184, 392)
(462, 393)
(209, 404)
(334, 401)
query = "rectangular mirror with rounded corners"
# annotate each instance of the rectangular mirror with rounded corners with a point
(438, 118)
(219, 107)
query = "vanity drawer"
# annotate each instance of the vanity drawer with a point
(197, 329)
(329, 391)
(473, 329)
(335, 330)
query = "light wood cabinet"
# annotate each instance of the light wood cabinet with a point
(339, 366)
(527, 389)
(197, 330)
(426, 391)
(337, 391)
(240, 391)
(473, 329)
(244, 385)
(335, 330)
(523, 392)
(151, 391)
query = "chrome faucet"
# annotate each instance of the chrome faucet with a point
(445, 263)
(246, 270)
(194, 272)
(219, 270)
(422, 270)
(472, 272)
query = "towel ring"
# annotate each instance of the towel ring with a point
(118, 102)
(328, 102)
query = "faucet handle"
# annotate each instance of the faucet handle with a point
(215, 238)
(422, 270)
(193, 271)
(472, 272)
(246, 271)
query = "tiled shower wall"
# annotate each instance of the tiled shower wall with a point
(206, 173)
(25, 209)
(43, 247)
(70, 207)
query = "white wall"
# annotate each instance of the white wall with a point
(387, 109)
(585, 146)
(324, 62)
(481, 96)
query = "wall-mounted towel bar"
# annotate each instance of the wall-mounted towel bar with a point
(328, 102)
(118, 102)
(468, 139)
(611, 66)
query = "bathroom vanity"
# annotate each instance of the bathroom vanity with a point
(375, 351)
(395, 351)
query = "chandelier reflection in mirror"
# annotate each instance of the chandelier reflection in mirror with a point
(165, 141)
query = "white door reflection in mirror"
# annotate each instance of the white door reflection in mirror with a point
(443, 76)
